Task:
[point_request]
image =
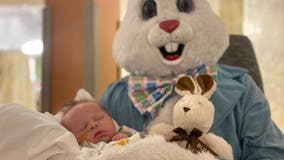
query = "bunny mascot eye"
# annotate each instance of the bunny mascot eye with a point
(185, 5)
(149, 9)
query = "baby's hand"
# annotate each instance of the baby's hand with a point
(119, 136)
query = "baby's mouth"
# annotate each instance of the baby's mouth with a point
(171, 51)
(98, 134)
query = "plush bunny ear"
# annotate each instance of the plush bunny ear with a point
(186, 86)
(83, 94)
(207, 84)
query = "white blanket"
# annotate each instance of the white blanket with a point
(153, 147)
(30, 135)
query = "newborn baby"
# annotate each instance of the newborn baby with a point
(90, 122)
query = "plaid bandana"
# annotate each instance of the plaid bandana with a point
(149, 94)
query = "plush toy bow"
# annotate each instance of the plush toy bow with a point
(149, 94)
(196, 145)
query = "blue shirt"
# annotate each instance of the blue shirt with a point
(242, 114)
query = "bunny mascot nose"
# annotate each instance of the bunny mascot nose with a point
(169, 25)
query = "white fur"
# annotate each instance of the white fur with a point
(154, 147)
(219, 145)
(137, 40)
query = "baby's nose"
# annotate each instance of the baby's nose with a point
(92, 125)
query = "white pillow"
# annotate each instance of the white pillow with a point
(27, 134)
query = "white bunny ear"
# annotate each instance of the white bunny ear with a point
(207, 84)
(82, 95)
(187, 86)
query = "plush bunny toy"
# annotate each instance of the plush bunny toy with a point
(193, 116)
(160, 39)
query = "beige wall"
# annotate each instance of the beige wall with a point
(231, 12)
(264, 24)
(262, 21)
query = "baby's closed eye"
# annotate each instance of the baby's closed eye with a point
(98, 117)
(83, 126)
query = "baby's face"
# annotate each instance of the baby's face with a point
(89, 122)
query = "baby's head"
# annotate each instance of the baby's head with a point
(88, 121)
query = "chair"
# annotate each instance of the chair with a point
(240, 53)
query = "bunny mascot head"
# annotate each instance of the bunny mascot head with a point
(167, 37)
